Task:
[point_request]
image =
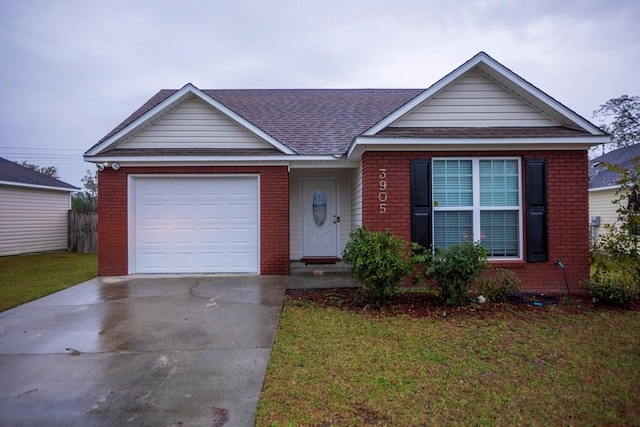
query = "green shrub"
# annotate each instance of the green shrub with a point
(454, 269)
(612, 289)
(497, 286)
(379, 260)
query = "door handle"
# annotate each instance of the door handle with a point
(336, 219)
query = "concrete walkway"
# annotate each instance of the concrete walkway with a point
(163, 351)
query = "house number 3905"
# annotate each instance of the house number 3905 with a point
(382, 194)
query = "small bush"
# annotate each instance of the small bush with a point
(454, 269)
(612, 289)
(495, 288)
(379, 260)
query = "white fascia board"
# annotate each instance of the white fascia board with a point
(38, 187)
(188, 89)
(324, 164)
(362, 144)
(208, 160)
(611, 187)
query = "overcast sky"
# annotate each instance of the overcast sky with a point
(70, 71)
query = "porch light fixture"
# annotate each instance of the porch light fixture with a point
(115, 166)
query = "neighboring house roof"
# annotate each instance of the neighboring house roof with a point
(600, 176)
(13, 174)
(332, 122)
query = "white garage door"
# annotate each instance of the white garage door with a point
(195, 225)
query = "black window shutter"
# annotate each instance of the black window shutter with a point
(421, 201)
(536, 209)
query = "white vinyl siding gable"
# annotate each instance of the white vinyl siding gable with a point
(194, 124)
(32, 220)
(473, 100)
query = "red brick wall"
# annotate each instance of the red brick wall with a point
(112, 223)
(568, 211)
(274, 215)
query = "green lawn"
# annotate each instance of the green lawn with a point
(545, 367)
(24, 278)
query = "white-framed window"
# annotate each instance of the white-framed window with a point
(478, 199)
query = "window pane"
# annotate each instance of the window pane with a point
(452, 183)
(319, 207)
(452, 228)
(499, 233)
(499, 183)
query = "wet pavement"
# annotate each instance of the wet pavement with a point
(163, 351)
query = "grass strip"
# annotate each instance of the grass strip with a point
(24, 278)
(334, 367)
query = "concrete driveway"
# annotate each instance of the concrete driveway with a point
(167, 351)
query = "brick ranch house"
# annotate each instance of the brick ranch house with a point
(244, 181)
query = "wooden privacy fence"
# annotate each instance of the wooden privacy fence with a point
(83, 231)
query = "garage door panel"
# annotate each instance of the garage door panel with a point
(154, 261)
(241, 236)
(151, 236)
(238, 260)
(211, 236)
(183, 261)
(211, 211)
(147, 211)
(184, 212)
(240, 212)
(195, 225)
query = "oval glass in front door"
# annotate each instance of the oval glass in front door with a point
(319, 207)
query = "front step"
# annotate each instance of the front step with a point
(320, 276)
(302, 268)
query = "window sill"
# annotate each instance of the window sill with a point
(508, 264)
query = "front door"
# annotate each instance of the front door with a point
(320, 220)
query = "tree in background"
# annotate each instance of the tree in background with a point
(87, 200)
(51, 171)
(620, 117)
(622, 239)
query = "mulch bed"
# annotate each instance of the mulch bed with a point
(421, 304)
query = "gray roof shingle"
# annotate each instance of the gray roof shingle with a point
(13, 172)
(600, 176)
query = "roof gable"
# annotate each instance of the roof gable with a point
(193, 124)
(473, 100)
(164, 103)
(14, 174)
(485, 67)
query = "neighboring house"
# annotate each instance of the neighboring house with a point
(603, 187)
(245, 181)
(33, 210)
